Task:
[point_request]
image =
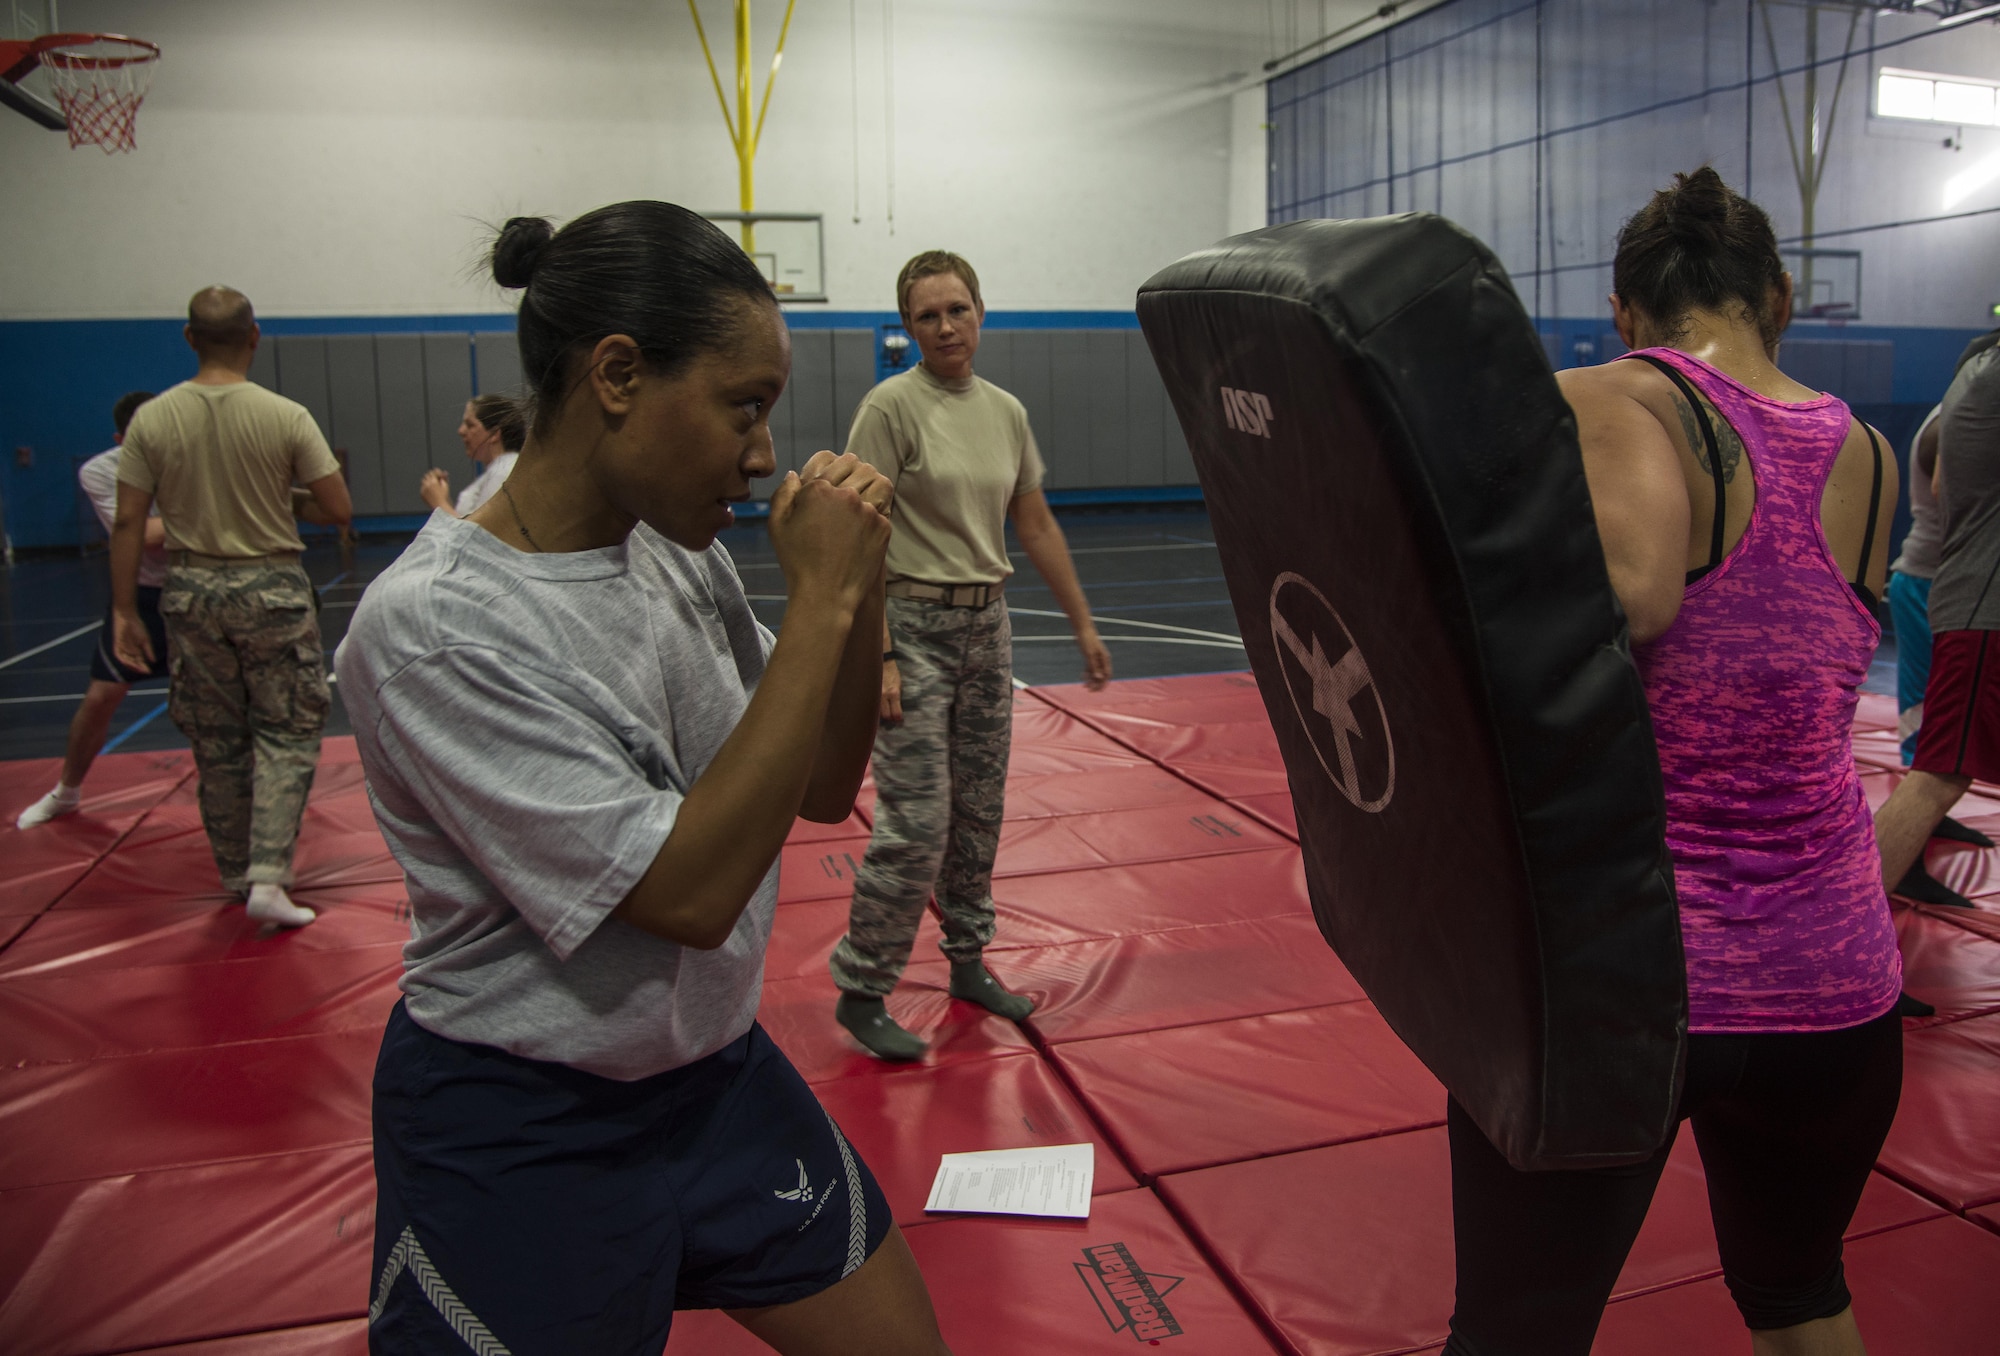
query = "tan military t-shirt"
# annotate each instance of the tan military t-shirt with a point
(221, 462)
(958, 453)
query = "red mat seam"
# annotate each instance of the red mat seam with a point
(1920, 1189)
(211, 1045)
(160, 1168)
(98, 860)
(1088, 723)
(1035, 1035)
(1233, 1283)
(362, 1312)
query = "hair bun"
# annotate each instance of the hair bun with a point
(1697, 210)
(519, 246)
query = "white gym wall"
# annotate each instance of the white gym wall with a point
(338, 159)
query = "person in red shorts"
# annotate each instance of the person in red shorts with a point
(1960, 738)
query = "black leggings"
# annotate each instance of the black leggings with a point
(1788, 1124)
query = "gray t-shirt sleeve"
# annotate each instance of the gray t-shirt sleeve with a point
(551, 806)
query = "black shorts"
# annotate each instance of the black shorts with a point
(548, 1210)
(104, 665)
(1788, 1124)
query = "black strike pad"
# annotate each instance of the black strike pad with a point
(1399, 501)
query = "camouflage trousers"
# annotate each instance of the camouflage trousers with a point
(247, 686)
(941, 785)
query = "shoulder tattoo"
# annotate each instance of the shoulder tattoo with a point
(1727, 443)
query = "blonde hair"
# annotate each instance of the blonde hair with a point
(930, 264)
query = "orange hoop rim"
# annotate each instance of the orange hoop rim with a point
(49, 50)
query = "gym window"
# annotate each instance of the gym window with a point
(1926, 97)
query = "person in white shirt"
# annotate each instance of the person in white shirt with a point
(493, 429)
(109, 679)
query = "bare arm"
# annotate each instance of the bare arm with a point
(849, 734)
(156, 532)
(1637, 491)
(1048, 550)
(738, 812)
(330, 504)
(128, 541)
(1926, 454)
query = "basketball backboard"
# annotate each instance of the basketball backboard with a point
(788, 246)
(20, 81)
(1826, 284)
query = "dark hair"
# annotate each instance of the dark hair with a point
(1700, 245)
(505, 416)
(652, 270)
(930, 264)
(127, 406)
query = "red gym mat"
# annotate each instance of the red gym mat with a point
(819, 869)
(1194, 1096)
(46, 861)
(1211, 729)
(1348, 1250)
(1275, 809)
(123, 1263)
(1136, 786)
(348, 1337)
(798, 1015)
(1121, 901)
(902, 1124)
(1875, 711)
(803, 936)
(1946, 1139)
(1121, 837)
(1988, 1215)
(1182, 978)
(1006, 1287)
(1956, 971)
(1925, 1290)
(174, 932)
(53, 1018)
(178, 1108)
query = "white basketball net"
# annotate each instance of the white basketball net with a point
(99, 85)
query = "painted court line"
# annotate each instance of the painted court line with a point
(49, 645)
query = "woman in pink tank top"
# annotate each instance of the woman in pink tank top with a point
(1744, 520)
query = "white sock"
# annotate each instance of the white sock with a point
(268, 903)
(64, 800)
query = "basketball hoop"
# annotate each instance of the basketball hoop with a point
(98, 80)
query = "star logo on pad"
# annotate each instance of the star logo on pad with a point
(1346, 718)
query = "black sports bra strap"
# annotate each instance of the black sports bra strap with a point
(1874, 509)
(1714, 452)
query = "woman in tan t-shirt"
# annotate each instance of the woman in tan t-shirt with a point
(963, 460)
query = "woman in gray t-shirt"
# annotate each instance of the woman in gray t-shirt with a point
(586, 754)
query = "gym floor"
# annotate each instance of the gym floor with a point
(1152, 578)
(1239, 1090)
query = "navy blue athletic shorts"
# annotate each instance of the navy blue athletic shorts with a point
(535, 1209)
(104, 665)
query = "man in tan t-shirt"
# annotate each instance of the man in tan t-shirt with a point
(963, 461)
(219, 455)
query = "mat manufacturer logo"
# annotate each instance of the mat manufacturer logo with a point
(1352, 724)
(1247, 411)
(1129, 1296)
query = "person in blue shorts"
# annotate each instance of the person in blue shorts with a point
(586, 753)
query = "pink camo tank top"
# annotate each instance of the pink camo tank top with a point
(1752, 691)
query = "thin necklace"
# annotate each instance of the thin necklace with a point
(518, 521)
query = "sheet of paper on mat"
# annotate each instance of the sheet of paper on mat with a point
(1051, 1180)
